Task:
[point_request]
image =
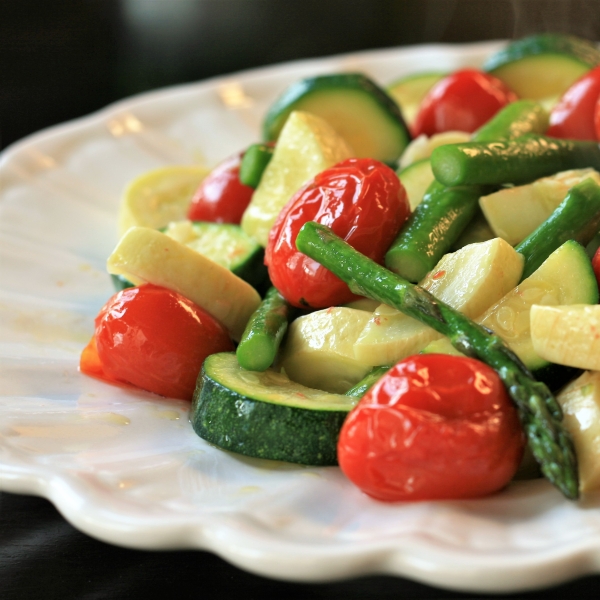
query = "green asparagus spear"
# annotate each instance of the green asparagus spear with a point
(539, 411)
(434, 226)
(370, 379)
(576, 218)
(517, 161)
(255, 161)
(264, 332)
(514, 120)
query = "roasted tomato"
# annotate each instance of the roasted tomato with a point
(362, 201)
(462, 101)
(221, 197)
(574, 117)
(154, 339)
(434, 427)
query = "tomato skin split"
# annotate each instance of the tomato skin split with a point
(155, 339)
(362, 201)
(435, 427)
(221, 197)
(462, 101)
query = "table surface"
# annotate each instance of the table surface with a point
(64, 59)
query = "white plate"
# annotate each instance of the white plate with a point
(125, 466)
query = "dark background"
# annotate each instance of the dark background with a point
(63, 59)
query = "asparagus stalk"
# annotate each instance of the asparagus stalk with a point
(263, 334)
(539, 411)
(577, 218)
(511, 161)
(368, 381)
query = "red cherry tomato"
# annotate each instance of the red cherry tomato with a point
(573, 117)
(596, 265)
(362, 201)
(221, 197)
(597, 118)
(462, 101)
(434, 427)
(154, 339)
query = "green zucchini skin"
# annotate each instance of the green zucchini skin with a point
(255, 161)
(250, 426)
(577, 218)
(516, 161)
(264, 332)
(579, 49)
(514, 120)
(432, 229)
(305, 95)
(368, 381)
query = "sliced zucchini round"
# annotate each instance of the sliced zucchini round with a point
(542, 67)
(409, 91)
(226, 244)
(265, 415)
(357, 108)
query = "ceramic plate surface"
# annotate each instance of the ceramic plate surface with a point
(125, 466)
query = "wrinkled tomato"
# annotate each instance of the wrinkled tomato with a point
(574, 117)
(155, 339)
(462, 101)
(434, 427)
(362, 201)
(221, 197)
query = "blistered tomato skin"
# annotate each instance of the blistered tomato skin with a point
(574, 116)
(362, 201)
(221, 197)
(462, 101)
(596, 265)
(435, 427)
(157, 340)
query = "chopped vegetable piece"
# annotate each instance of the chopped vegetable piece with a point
(354, 105)
(265, 415)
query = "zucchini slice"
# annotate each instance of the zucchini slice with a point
(542, 67)
(265, 415)
(226, 244)
(357, 108)
(146, 255)
(565, 277)
(409, 91)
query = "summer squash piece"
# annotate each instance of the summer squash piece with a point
(515, 161)
(539, 411)
(444, 213)
(264, 332)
